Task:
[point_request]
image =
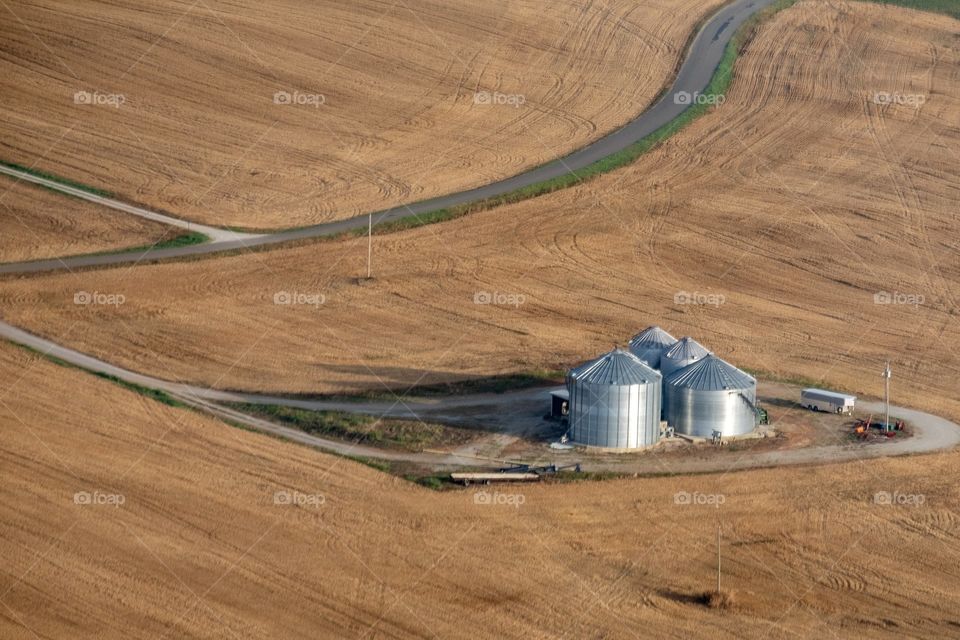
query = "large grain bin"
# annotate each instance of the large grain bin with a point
(710, 395)
(650, 344)
(615, 402)
(685, 352)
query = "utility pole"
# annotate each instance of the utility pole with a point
(886, 396)
(718, 554)
(370, 246)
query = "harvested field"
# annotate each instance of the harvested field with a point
(38, 224)
(188, 121)
(798, 201)
(199, 547)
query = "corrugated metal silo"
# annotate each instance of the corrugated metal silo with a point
(615, 402)
(710, 395)
(686, 351)
(650, 344)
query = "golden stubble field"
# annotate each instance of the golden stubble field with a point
(198, 548)
(37, 223)
(798, 201)
(180, 111)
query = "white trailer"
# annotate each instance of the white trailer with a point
(822, 400)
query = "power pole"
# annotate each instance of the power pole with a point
(718, 555)
(370, 246)
(886, 396)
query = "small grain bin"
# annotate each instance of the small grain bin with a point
(685, 352)
(650, 344)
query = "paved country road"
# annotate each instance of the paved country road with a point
(694, 75)
(505, 413)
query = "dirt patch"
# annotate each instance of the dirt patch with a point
(389, 433)
(723, 600)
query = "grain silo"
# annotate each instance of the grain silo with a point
(710, 395)
(686, 351)
(650, 344)
(615, 402)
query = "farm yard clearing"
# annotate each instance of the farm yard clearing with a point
(324, 111)
(500, 431)
(809, 308)
(418, 435)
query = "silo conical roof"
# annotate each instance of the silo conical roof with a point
(652, 337)
(686, 349)
(618, 367)
(711, 374)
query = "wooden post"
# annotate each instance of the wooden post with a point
(718, 557)
(370, 246)
(886, 396)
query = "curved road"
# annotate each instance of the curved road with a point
(504, 414)
(695, 73)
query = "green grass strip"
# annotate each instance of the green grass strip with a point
(182, 240)
(368, 429)
(153, 394)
